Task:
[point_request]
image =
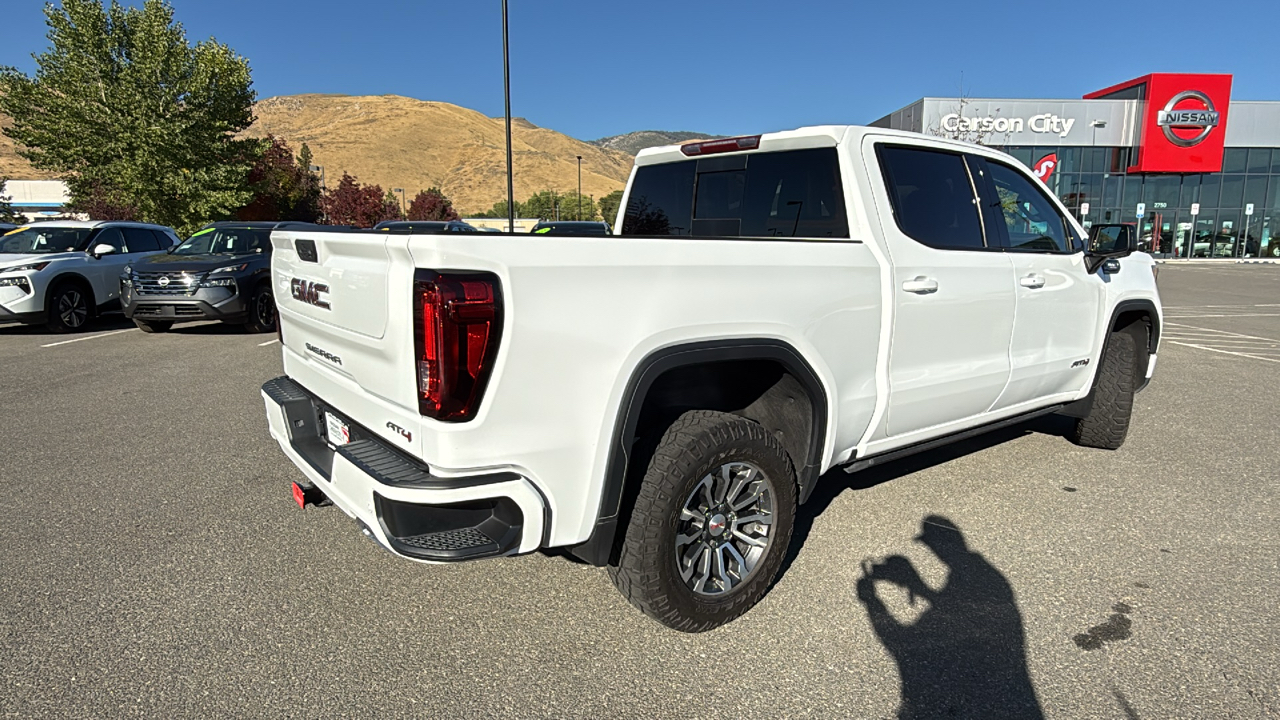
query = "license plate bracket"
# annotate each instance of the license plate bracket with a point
(336, 430)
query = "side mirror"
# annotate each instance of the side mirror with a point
(1109, 243)
(103, 249)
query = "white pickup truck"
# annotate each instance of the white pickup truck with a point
(661, 400)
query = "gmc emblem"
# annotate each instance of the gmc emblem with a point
(310, 292)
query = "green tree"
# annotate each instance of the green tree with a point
(609, 206)
(392, 210)
(499, 210)
(7, 213)
(571, 210)
(122, 107)
(544, 205)
(283, 188)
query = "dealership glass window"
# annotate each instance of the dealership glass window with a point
(1132, 191)
(932, 197)
(1273, 193)
(1162, 190)
(1275, 161)
(1022, 154)
(1234, 160)
(1093, 160)
(1117, 159)
(1068, 160)
(1190, 191)
(1255, 191)
(1259, 160)
(1210, 185)
(1111, 185)
(1232, 192)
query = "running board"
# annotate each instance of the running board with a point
(880, 459)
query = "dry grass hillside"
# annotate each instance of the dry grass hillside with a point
(11, 164)
(397, 141)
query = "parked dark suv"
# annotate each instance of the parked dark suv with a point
(222, 272)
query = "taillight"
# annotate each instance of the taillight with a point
(457, 326)
(733, 144)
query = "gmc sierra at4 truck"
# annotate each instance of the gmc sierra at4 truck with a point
(659, 401)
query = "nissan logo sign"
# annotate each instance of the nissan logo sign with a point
(1203, 120)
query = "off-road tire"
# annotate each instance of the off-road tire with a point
(153, 326)
(697, 443)
(262, 311)
(78, 296)
(1107, 423)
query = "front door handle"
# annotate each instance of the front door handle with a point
(921, 285)
(1032, 281)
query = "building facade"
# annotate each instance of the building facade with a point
(1196, 172)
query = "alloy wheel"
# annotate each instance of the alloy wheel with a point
(72, 309)
(724, 528)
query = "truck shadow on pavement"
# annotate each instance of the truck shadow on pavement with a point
(964, 656)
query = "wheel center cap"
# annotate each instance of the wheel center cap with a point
(716, 524)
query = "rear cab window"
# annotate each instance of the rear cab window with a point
(932, 196)
(789, 193)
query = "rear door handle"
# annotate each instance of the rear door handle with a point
(921, 285)
(1032, 281)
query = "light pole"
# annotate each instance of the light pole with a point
(319, 169)
(579, 187)
(401, 191)
(506, 89)
(1095, 124)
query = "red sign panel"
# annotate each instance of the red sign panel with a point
(1044, 167)
(1184, 120)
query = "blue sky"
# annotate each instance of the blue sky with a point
(596, 68)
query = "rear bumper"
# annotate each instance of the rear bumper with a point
(395, 498)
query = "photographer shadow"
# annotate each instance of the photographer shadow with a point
(965, 655)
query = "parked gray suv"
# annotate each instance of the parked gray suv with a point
(222, 272)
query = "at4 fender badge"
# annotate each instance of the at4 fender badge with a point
(1080, 363)
(401, 431)
(309, 292)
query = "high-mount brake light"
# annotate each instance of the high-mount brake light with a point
(733, 144)
(457, 326)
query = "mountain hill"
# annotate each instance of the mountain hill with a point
(633, 142)
(396, 141)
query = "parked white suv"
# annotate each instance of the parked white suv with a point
(659, 401)
(63, 273)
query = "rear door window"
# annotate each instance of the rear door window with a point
(661, 200)
(793, 193)
(932, 197)
(140, 240)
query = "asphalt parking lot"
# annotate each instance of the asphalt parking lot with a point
(155, 565)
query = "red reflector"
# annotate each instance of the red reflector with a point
(299, 495)
(458, 325)
(733, 144)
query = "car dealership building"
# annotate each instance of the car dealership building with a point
(1199, 172)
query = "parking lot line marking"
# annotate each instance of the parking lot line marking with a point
(1224, 315)
(88, 337)
(1227, 352)
(267, 343)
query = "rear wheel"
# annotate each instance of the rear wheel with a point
(262, 311)
(69, 307)
(153, 326)
(1107, 423)
(711, 523)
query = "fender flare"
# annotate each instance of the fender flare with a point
(1080, 408)
(597, 549)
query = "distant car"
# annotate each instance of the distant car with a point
(64, 272)
(488, 229)
(571, 227)
(6, 227)
(222, 272)
(428, 227)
